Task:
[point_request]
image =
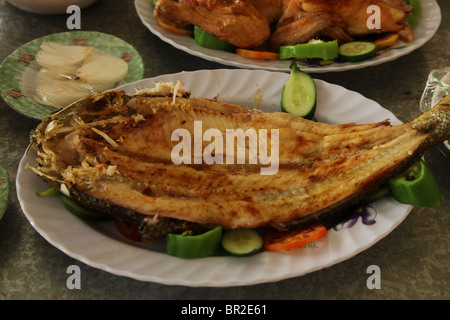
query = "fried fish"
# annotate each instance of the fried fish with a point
(115, 152)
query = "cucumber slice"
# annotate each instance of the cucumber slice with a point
(241, 242)
(83, 212)
(299, 94)
(210, 41)
(356, 51)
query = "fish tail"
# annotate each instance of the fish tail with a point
(436, 121)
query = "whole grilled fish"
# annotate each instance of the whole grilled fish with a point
(115, 153)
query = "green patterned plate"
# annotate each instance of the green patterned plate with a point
(4, 190)
(16, 71)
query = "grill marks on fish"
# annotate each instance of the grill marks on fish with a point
(324, 169)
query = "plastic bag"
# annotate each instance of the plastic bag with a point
(437, 86)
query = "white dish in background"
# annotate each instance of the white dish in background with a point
(49, 6)
(427, 27)
(100, 246)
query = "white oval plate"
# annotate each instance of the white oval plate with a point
(100, 246)
(426, 28)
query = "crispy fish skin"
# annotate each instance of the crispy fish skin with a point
(115, 150)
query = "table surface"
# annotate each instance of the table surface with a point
(413, 259)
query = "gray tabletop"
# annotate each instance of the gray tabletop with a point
(414, 259)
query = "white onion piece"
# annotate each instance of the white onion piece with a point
(56, 91)
(102, 72)
(54, 55)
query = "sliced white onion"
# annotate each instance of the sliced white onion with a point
(102, 72)
(58, 92)
(54, 55)
(70, 73)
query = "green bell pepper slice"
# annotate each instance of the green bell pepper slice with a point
(210, 41)
(326, 50)
(194, 246)
(414, 17)
(416, 186)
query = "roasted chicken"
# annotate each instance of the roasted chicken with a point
(343, 20)
(265, 23)
(243, 23)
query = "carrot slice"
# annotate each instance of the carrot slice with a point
(278, 240)
(174, 28)
(267, 55)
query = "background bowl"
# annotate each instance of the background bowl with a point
(49, 6)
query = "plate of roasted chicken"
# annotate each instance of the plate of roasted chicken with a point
(113, 152)
(264, 26)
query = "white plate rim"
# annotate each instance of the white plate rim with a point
(425, 30)
(112, 254)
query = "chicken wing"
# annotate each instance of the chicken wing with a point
(243, 23)
(343, 20)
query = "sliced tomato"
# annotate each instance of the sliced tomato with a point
(267, 55)
(279, 240)
(175, 29)
(128, 230)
